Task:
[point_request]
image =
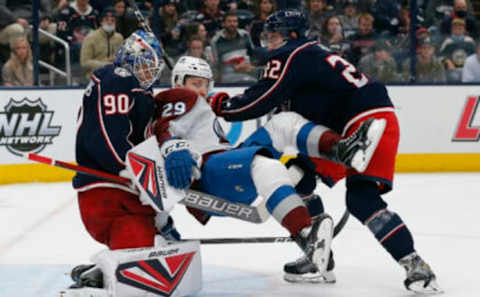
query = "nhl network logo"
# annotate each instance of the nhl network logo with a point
(25, 126)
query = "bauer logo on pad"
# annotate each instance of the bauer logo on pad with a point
(153, 275)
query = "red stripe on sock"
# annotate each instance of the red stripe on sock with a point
(327, 141)
(296, 220)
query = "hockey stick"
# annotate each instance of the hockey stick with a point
(273, 239)
(195, 199)
(143, 22)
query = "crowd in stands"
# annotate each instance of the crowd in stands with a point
(374, 35)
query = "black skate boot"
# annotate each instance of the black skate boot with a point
(315, 242)
(303, 271)
(87, 276)
(356, 150)
(88, 282)
(420, 277)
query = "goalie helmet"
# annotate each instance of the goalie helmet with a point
(286, 21)
(191, 66)
(141, 55)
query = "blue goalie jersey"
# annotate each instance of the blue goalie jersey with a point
(116, 114)
(312, 81)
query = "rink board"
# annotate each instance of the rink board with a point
(440, 129)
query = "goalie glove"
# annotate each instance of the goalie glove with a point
(216, 99)
(180, 164)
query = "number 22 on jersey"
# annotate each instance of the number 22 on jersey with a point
(350, 73)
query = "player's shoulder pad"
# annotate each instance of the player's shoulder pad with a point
(177, 94)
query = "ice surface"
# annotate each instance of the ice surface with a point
(42, 238)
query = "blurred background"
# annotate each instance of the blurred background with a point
(395, 41)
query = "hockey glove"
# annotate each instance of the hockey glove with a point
(179, 162)
(216, 99)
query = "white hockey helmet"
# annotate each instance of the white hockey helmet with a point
(191, 66)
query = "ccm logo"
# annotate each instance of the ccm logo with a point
(468, 129)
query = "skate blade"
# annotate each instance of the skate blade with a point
(431, 289)
(311, 278)
(83, 292)
(361, 160)
(321, 254)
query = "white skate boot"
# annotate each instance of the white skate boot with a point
(420, 277)
(315, 241)
(356, 150)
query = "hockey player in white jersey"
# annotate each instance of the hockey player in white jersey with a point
(223, 173)
(186, 126)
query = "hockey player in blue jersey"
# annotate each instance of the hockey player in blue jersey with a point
(326, 89)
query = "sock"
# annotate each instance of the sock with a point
(392, 233)
(296, 220)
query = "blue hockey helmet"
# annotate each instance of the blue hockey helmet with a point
(287, 21)
(142, 56)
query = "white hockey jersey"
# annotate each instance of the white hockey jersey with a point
(182, 113)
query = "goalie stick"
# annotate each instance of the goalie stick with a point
(195, 199)
(144, 24)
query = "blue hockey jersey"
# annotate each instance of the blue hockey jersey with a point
(312, 81)
(116, 114)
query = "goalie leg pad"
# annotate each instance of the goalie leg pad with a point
(165, 270)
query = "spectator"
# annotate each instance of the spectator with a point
(230, 47)
(59, 5)
(263, 8)
(349, 18)
(379, 63)
(471, 67)
(16, 18)
(100, 5)
(318, 11)
(386, 15)
(245, 4)
(100, 46)
(455, 49)
(437, 10)
(169, 29)
(460, 12)
(73, 24)
(211, 16)
(361, 5)
(429, 68)
(10, 29)
(18, 71)
(332, 35)
(21, 10)
(195, 47)
(364, 39)
(126, 20)
(198, 30)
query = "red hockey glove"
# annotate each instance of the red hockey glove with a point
(215, 100)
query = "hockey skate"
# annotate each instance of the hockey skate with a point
(315, 242)
(88, 281)
(420, 277)
(356, 150)
(303, 271)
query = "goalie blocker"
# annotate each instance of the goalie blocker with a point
(170, 269)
